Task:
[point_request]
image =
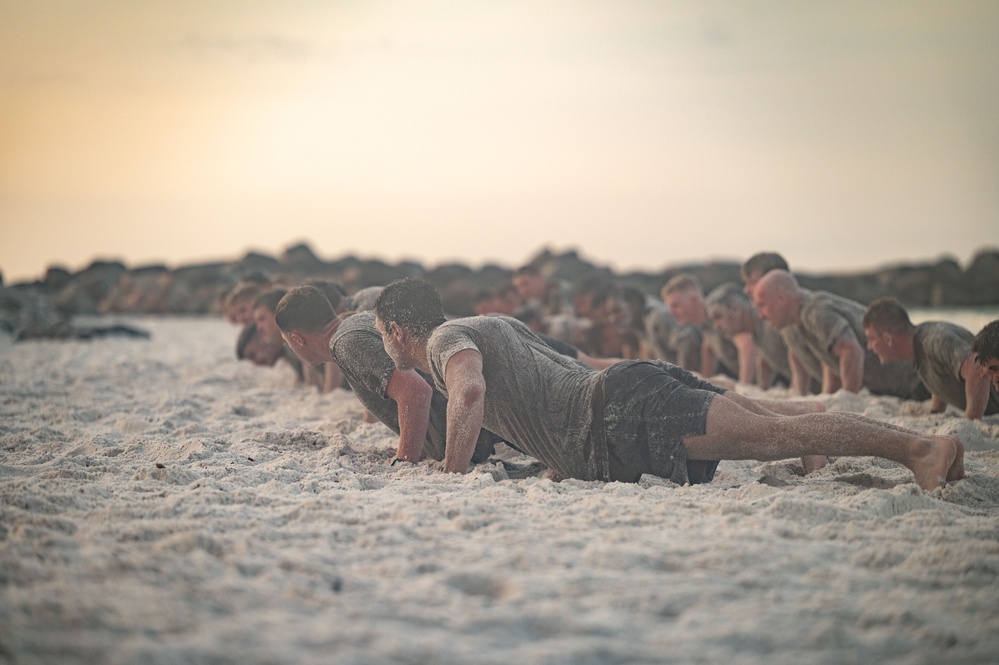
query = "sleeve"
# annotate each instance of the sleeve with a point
(364, 362)
(445, 342)
(826, 325)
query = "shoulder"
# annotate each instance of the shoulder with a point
(360, 325)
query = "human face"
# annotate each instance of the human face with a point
(392, 335)
(772, 308)
(242, 313)
(686, 307)
(267, 327)
(725, 320)
(261, 352)
(991, 370)
(306, 347)
(750, 284)
(881, 344)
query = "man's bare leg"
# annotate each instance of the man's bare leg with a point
(734, 432)
(772, 407)
(956, 470)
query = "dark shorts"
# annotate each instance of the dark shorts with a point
(649, 406)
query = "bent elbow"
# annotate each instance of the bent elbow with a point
(472, 392)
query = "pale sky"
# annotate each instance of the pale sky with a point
(845, 135)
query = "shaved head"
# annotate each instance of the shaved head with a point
(777, 297)
(778, 282)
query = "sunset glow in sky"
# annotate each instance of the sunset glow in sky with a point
(844, 135)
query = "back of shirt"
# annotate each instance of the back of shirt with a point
(358, 350)
(940, 348)
(827, 319)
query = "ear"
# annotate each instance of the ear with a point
(297, 337)
(888, 339)
(396, 331)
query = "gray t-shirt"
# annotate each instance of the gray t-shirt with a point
(672, 341)
(536, 399)
(358, 350)
(940, 348)
(826, 319)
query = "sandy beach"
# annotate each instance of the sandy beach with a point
(161, 502)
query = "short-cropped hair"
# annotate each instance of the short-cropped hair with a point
(270, 299)
(685, 281)
(304, 309)
(763, 262)
(887, 315)
(413, 303)
(728, 294)
(986, 342)
(243, 292)
(333, 290)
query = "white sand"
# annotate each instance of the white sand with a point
(162, 503)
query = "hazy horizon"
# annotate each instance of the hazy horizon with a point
(847, 136)
(585, 255)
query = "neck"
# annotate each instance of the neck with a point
(327, 334)
(420, 354)
(904, 348)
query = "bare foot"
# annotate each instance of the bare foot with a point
(813, 462)
(956, 470)
(932, 464)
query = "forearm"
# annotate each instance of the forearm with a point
(851, 366)
(830, 382)
(764, 374)
(800, 379)
(747, 357)
(708, 361)
(464, 422)
(332, 377)
(977, 394)
(414, 418)
(976, 388)
(412, 396)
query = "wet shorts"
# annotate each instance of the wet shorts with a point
(648, 407)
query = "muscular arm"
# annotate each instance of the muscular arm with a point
(830, 382)
(765, 374)
(976, 388)
(746, 347)
(800, 379)
(466, 393)
(412, 395)
(851, 363)
(332, 377)
(709, 363)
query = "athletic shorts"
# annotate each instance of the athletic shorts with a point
(648, 407)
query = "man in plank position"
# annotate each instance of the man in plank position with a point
(632, 418)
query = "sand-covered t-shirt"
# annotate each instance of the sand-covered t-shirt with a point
(358, 350)
(537, 399)
(940, 348)
(670, 340)
(826, 319)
